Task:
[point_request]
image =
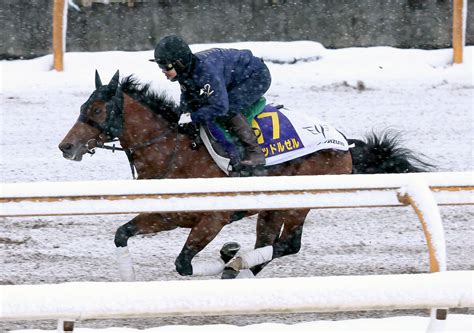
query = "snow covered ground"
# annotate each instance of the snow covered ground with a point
(417, 92)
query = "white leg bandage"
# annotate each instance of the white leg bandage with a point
(208, 268)
(255, 257)
(125, 264)
(245, 274)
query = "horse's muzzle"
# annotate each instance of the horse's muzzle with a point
(70, 152)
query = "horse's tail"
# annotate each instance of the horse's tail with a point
(383, 153)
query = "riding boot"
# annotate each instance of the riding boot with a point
(253, 153)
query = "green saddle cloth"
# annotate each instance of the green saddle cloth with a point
(255, 109)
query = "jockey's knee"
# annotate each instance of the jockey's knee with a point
(123, 233)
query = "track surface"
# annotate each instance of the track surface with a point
(436, 120)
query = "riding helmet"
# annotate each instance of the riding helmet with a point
(173, 50)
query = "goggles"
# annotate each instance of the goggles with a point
(166, 67)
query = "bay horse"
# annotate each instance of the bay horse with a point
(145, 123)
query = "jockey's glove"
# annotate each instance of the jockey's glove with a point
(185, 118)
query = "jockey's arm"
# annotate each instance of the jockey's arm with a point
(217, 104)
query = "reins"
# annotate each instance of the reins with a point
(129, 152)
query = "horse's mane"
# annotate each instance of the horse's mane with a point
(159, 103)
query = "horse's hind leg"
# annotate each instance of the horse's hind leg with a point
(142, 224)
(268, 232)
(289, 241)
(201, 234)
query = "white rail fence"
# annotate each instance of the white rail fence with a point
(177, 195)
(100, 300)
(423, 191)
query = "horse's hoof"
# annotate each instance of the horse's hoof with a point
(229, 273)
(229, 250)
(183, 268)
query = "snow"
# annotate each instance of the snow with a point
(418, 92)
(374, 66)
(456, 323)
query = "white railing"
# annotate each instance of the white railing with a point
(100, 300)
(217, 194)
(423, 191)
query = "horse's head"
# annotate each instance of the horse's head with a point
(100, 120)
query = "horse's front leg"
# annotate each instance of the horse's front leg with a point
(201, 234)
(145, 223)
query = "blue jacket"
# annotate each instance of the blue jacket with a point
(211, 75)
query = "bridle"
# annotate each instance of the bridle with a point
(112, 128)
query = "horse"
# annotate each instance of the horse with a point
(145, 124)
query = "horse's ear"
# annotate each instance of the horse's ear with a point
(113, 84)
(98, 81)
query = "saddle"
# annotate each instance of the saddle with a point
(281, 134)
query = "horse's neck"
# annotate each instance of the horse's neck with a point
(140, 124)
(173, 158)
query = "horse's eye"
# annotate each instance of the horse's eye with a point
(97, 111)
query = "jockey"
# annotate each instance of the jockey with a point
(216, 84)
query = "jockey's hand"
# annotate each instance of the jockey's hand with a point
(185, 118)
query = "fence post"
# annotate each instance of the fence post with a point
(458, 29)
(65, 326)
(59, 11)
(419, 196)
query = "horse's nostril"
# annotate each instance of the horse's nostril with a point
(65, 146)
